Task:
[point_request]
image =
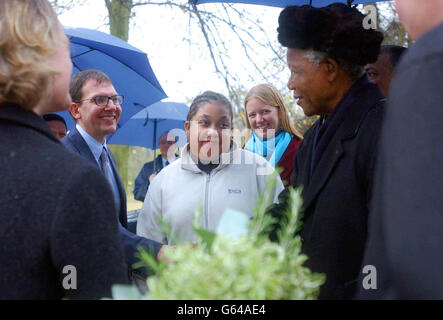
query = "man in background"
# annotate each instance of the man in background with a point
(150, 169)
(381, 72)
(57, 125)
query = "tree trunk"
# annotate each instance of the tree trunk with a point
(119, 17)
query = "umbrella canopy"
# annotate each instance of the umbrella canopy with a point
(127, 67)
(146, 126)
(285, 3)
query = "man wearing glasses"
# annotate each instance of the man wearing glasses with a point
(96, 108)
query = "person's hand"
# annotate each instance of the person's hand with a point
(152, 176)
(161, 253)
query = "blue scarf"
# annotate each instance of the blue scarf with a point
(276, 146)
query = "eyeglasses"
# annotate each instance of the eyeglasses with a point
(103, 101)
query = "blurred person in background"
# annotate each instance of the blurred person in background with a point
(57, 125)
(152, 168)
(405, 242)
(381, 71)
(55, 207)
(273, 136)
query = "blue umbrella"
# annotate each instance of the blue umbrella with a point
(127, 67)
(145, 126)
(285, 3)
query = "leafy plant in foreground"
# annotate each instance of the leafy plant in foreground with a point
(249, 266)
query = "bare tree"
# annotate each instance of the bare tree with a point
(65, 5)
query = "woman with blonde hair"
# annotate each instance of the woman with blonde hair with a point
(273, 136)
(58, 232)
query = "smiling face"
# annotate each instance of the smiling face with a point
(309, 82)
(96, 120)
(209, 131)
(262, 118)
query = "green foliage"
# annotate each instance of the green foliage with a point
(246, 267)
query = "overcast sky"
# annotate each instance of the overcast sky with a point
(183, 70)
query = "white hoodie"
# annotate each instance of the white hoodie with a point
(180, 188)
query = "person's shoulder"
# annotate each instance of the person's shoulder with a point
(251, 157)
(293, 145)
(169, 171)
(72, 140)
(375, 112)
(310, 132)
(253, 161)
(70, 161)
(148, 165)
(173, 167)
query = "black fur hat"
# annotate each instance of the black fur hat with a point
(336, 30)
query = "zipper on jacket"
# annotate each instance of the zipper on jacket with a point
(206, 210)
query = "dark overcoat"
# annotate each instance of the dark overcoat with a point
(405, 243)
(54, 213)
(336, 196)
(141, 183)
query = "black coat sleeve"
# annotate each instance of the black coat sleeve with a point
(84, 235)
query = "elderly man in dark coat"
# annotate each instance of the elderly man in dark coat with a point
(327, 51)
(405, 244)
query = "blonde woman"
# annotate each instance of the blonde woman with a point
(273, 136)
(58, 230)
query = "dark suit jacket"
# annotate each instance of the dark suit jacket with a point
(405, 242)
(141, 184)
(54, 212)
(75, 142)
(336, 197)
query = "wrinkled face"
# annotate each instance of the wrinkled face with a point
(167, 147)
(61, 61)
(209, 132)
(98, 121)
(58, 128)
(262, 118)
(380, 72)
(308, 82)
